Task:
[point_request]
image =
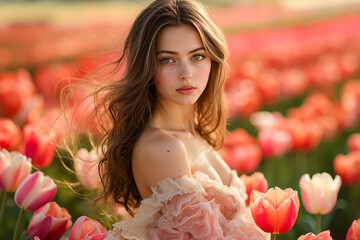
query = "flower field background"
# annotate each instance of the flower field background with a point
(293, 96)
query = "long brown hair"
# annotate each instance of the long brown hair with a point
(130, 101)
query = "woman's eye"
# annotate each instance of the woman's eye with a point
(166, 60)
(198, 57)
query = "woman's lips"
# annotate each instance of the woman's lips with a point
(186, 90)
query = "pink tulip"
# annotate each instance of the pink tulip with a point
(319, 194)
(321, 236)
(35, 191)
(49, 222)
(9, 134)
(256, 181)
(14, 168)
(274, 142)
(276, 210)
(354, 231)
(86, 167)
(87, 229)
(37, 145)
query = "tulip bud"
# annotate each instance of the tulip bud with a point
(87, 228)
(35, 191)
(319, 194)
(274, 142)
(256, 181)
(49, 222)
(348, 167)
(353, 142)
(37, 145)
(321, 236)
(9, 134)
(276, 210)
(354, 231)
(14, 168)
(86, 167)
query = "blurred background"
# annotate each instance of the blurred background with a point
(294, 67)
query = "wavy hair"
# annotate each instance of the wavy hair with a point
(130, 101)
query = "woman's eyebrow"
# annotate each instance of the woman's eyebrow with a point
(175, 53)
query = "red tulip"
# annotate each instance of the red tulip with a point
(86, 167)
(35, 191)
(9, 134)
(243, 99)
(18, 98)
(276, 210)
(37, 145)
(14, 168)
(255, 181)
(240, 151)
(49, 222)
(321, 236)
(87, 229)
(274, 142)
(353, 142)
(354, 231)
(348, 167)
(306, 135)
(17, 89)
(51, 79)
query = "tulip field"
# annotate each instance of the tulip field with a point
(293, 98)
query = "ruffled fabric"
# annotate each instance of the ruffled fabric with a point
(191, 208)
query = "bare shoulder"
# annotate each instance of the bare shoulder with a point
(158, 155)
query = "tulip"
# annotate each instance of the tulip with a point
(256, 181)
(37, 145)
(14, 168)
(87, 228)
(348, 167)
(35, 191)
(353, 142)
(86, 167)
(9, 134)
(354, 231)
(266, 120)
(240, 151)
(17, 90)
(321, 236)
(319, 194)
(274, 142)
(49, 222)
(306, 135)
(276, 210)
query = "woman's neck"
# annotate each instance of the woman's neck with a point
(175, 118)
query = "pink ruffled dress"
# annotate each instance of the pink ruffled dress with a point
(191, 208)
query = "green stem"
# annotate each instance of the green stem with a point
(17, 228)
(3, 206)
(317, 223)
(273, 236)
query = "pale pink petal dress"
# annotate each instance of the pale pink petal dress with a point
(191, 208)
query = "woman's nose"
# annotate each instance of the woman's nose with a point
(185, 71)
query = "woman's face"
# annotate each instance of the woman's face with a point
(183, 65)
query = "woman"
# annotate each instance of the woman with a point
(167, 117)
